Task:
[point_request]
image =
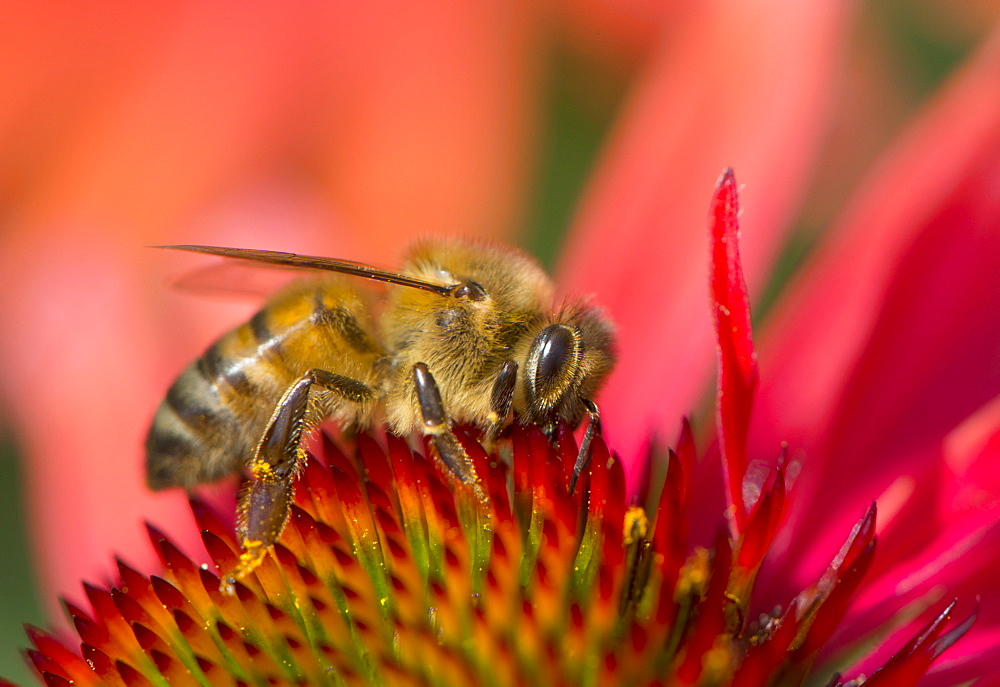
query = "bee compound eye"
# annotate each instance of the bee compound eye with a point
(554, 359)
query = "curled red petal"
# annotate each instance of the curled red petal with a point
(738, 375)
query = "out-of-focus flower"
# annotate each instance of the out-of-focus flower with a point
(394, 572)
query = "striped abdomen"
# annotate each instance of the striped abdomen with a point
(215, 413)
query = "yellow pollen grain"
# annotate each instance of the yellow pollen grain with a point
(261, 469)
(636, 525)
(251, 553)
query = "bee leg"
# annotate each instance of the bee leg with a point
(266, 502)
(583, 455)
(438, 427)
(501, 397)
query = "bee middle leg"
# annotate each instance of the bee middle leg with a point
(265, 504)
(437, 426)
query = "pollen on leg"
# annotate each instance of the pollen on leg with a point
(250, 559)
(261, 469)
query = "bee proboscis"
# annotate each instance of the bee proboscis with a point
(469, 333)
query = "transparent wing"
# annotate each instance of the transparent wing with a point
(232, 280)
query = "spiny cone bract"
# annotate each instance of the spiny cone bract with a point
(390, 572)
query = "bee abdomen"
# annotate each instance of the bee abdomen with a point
(194, 437)
(214, 415)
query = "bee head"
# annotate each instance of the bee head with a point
(567, 361)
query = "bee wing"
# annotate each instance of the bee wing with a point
(357, 269)
(231, 280)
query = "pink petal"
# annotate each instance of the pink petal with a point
(742, 85)
(428, 125)
(388, 107)
(891, 337)
(952, 551)
(972, 455)
(975, 661)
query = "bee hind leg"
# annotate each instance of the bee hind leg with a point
(437, 426)
(266, 501)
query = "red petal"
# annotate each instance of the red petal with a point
(737, 360)
(910, 663)
(822, 607)
(762, 524)
(670, 529)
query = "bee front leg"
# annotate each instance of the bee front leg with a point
(266, 502)
(583, 455)
(438, 427)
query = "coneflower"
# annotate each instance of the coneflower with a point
(392, 572)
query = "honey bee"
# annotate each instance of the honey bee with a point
(469, 333)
